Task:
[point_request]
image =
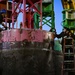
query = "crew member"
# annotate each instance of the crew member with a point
(63, 34)
(2, 15)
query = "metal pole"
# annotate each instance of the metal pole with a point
(41, 14)
(24, 13)
(13, 14)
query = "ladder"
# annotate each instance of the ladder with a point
(68, 64)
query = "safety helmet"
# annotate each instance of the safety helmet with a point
(3, 11)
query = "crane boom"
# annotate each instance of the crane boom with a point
(73, 3)
(67, 4)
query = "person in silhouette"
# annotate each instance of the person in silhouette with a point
(63, 34)
(2, 15)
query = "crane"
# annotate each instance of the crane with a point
(27, 37)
